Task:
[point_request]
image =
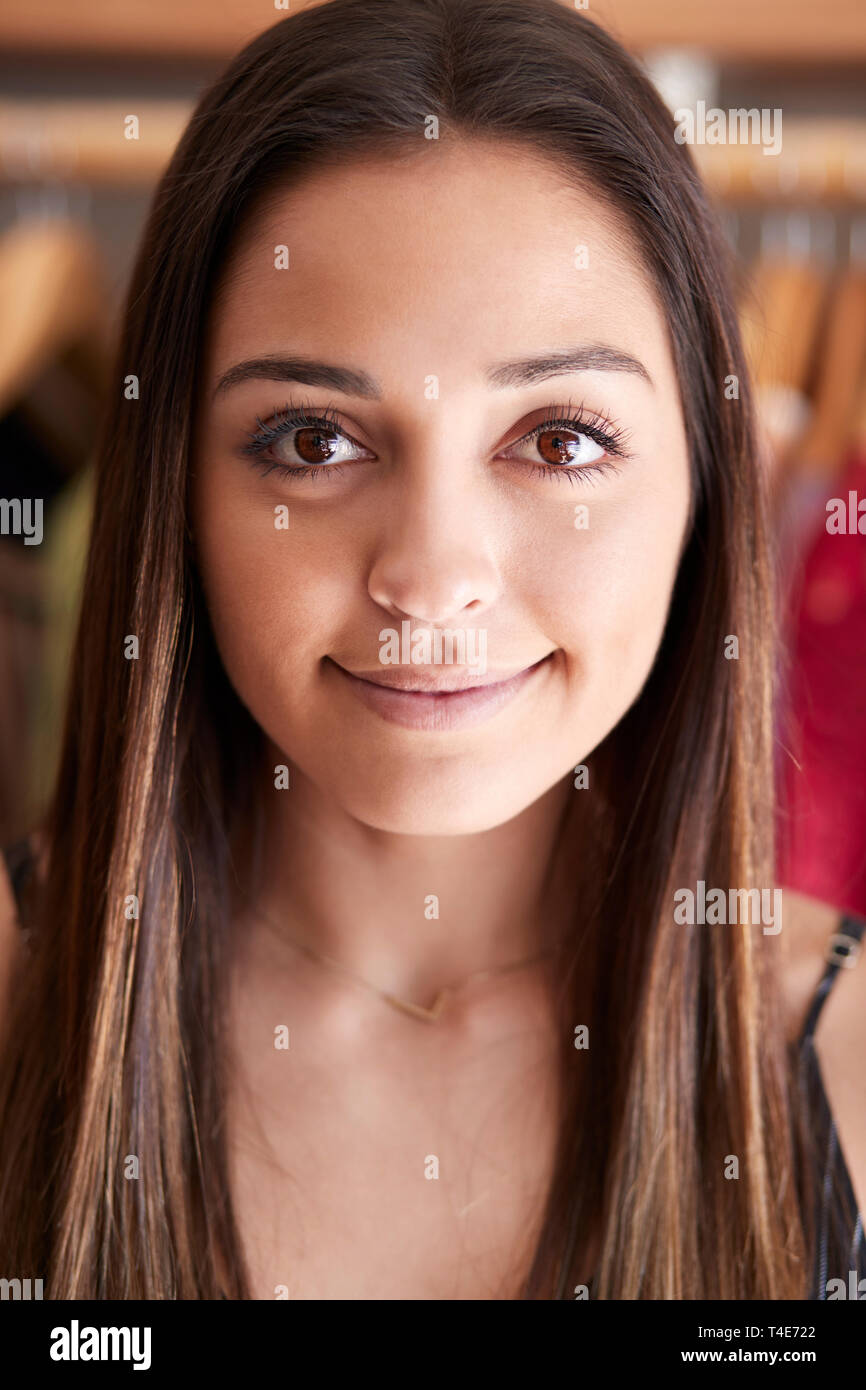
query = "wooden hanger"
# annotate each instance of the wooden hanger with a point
(857, 439)
(841, 365)
(780, 313)
(52, 298)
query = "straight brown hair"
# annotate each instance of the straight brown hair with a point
(115, 1049)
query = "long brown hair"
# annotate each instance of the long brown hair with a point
(115, 1050)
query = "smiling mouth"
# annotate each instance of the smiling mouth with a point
(435, 700)
(434, 681)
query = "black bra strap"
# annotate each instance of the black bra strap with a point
(843, 952)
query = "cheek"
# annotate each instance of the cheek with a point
(273, 596)
(605, 592)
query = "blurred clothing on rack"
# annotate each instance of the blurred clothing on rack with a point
(822, 717)
(53, 356)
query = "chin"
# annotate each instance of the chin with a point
(422, 806)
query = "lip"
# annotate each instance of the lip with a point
(438, 705)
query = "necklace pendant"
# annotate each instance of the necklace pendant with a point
(417, 1010)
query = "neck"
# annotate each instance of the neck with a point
(410, 913)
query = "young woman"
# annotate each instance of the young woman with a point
(423, 675)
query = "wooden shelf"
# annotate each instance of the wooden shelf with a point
(821, 160)
(84, 141)
(794, 31)
(774, 30)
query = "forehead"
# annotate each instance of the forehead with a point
(465, 248)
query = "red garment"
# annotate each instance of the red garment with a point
(822, 720)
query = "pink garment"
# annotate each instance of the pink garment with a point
(821, 822)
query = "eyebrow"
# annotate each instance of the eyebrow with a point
(590, 357)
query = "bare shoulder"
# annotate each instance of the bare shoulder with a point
(807, 928)
(840, 1035)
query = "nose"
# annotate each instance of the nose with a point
(434, 562)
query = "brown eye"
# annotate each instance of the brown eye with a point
(314, 445)
(296, 441)
(560, 446)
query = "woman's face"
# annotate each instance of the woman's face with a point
(396, 296)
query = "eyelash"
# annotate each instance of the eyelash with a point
(598, 428)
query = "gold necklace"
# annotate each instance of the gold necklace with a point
(406, 1006)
